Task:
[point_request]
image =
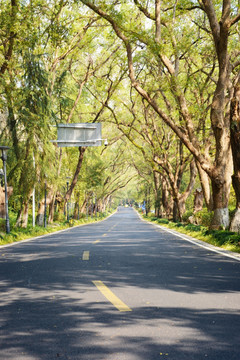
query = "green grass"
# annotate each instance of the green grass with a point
(222, 238)
(18, 234)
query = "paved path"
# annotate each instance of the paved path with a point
(120, 289)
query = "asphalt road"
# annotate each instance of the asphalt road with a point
(120, 289)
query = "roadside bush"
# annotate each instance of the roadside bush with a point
(151, 215)
(2, 224)
(187, 215)
(179, 224)
(153, 218)
(163, 221)
(223, 236)
(193, 227)
(59, 216)
(204, 217)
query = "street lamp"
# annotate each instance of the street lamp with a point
(4, 159)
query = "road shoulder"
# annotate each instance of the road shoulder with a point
(196, 242)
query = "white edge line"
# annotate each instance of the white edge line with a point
(52, 233)
(195, 242)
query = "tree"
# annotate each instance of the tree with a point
(156, 144)
(235, 144)
(171, 60)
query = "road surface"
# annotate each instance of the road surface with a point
(120, 289)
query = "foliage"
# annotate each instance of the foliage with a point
(186, 215)
(61, 63)
(224, 237)
(204, 217)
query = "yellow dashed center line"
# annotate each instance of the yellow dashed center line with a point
(96, 242)
(119, 304)
(85, 255)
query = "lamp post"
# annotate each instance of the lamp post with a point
(4, 159)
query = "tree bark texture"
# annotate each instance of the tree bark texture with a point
(75, 177)
(235, 144)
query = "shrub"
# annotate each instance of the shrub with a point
(186, 215)
(204, 217)
(193, 227)
(163, 221)
(223, 236)
(59, 216)
(151, 215)
(153, 218)
(179, 224)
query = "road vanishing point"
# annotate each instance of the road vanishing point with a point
(119, 289)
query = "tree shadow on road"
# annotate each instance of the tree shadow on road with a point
(51, 310)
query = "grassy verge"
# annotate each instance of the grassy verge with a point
(222, 238)
(18, 234)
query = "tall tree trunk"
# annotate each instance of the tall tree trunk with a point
(167, 204)
(22, 218)
(84, 205)
(75, 177)
(40, 214)
(206, 186)
(221, 192)
(157, 196)
(198, 200)
(25, 214)
(76, 206)
(235, 144)
(188, 191)
(221, 175)
(51, 209)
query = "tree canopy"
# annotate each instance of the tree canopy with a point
(161, 77)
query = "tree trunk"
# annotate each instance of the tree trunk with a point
(167, 205)
(84, 205)
(221, 192)
(198, 200)
(51, 209)
(157, 194)
(76, 210)
(176, 211)
(206, 187)
(75, 177)
(235, 144)
(76, 206)
(40, 214)
(183, 197)
(22, 218)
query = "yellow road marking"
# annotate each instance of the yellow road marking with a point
(85, 255)
(97, 241)
(119, 304)
(112, 228)
(104, 234)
